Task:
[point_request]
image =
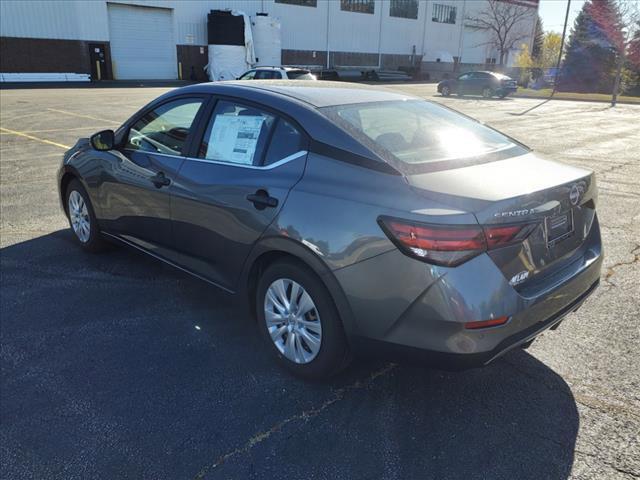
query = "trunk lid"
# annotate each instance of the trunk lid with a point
(559, 199)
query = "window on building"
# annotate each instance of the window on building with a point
(490, 61)
(404, 8)
(359, 6)
(443, 13)
(301, 3)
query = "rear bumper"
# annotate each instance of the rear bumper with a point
(396, 320)
(462, 361)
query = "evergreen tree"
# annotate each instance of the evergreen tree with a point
(589, 63)
(538, 40)
(537, 48)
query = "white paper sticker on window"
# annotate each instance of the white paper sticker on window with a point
(234, 138)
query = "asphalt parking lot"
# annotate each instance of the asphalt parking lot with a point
(115, 366)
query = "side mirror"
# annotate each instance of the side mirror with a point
(104, 140)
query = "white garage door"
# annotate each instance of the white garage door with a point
(142, 45)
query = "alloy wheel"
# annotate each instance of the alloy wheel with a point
(486, 93)
(79, 216)
(445, 91)
(292, 320)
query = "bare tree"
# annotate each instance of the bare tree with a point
(506, 24)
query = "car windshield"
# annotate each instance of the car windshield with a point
(416, 132)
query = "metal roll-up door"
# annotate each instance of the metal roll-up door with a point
(142, 45)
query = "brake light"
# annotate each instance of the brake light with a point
(494, 322)
(449, 245)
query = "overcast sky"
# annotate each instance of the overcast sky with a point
(553, 11)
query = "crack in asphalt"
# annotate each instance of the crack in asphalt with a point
(612, 269)
(608, 464)
(605, 406)
(305, 415)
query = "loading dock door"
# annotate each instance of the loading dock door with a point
(142, 45)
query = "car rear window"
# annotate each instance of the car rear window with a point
(415, 132)
(300, 75)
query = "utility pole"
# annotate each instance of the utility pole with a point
(564, 33)
(616, 83)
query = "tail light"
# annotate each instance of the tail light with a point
(450, 245)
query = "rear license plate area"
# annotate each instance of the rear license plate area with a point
(559, 227)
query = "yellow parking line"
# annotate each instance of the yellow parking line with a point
(25, 135)
(81, 115)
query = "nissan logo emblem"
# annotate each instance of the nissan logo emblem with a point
(574, 195)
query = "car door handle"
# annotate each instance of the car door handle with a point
(160, 180)
(262, 200)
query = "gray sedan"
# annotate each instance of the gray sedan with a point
(347, 219)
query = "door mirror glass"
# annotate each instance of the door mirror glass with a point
(104, 140)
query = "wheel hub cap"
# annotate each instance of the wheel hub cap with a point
(292, 320)
(79, 216)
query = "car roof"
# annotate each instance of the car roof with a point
(314, 93)
(286, 69)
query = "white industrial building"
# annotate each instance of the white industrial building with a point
(167, 39)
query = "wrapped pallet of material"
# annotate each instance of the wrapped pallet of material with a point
(227, 62)
(267, 40)
(229, 57)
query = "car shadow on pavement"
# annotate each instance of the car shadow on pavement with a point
(114, 365)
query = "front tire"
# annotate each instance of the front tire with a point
(82, 218)
(446, 91)
(299, 321)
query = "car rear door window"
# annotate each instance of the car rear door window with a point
(236, 134)
(285, 141)
(164, 129)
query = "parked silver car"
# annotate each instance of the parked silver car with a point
(346, 218)
(277, 73)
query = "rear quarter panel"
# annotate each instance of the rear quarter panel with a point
(334, 211)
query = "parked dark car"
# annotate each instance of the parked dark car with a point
(347, 218)
(486, 84)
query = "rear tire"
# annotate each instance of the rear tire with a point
(487, 92)
(303, 329)
(82, 218)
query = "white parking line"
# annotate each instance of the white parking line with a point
(82, 115)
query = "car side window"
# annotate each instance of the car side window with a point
(166, 128)
(465, 76)
(286, 140)
(237, 134)
(266, 75)
(249, 75)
